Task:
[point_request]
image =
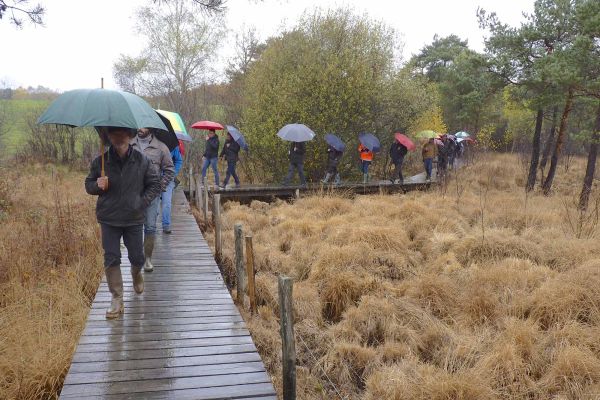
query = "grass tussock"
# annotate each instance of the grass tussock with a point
(50, 267)
(473, 291)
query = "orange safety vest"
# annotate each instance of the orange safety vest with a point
(365, 154)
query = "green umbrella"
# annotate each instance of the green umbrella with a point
(426, 134)
(101, 107)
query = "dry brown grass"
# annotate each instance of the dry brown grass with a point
(473, 292)
(50, 266)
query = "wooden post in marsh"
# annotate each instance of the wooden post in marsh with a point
(239, 264)
(217, 218)
(199, 194)
(250, 274)
(205, 201)
(190, 180)
(288, 344)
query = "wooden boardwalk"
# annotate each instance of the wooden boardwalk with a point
(247, 193)
(183, 338)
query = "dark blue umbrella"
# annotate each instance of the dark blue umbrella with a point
(369, 141)
(237, 136)
(335, 142)
(296, 133)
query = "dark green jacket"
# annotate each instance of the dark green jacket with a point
(132, 184)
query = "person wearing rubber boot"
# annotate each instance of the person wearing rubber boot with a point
(130, 185)
(161, 159)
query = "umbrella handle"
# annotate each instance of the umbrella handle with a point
(102, 171)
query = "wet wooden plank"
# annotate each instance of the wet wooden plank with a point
(247, 391)
(167, 362)
(171, 335)
(182, 338)
(164, 373)
(154, 385)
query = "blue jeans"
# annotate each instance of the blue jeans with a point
(213, 163)
(364, 166)
(151, 214)
(428, 163)
(231, 172)
(167, 198)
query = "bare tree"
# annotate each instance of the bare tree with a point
(177, 60)
(16, 10)
(208, 6)
(247, 50)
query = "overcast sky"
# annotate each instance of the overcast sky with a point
(81, 39)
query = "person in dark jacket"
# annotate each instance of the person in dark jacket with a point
(451, 152)
(296, 153)
(210, 156)
(333, 159)
(397, 153)
(230, 153)
(442, 165)
(130, 185)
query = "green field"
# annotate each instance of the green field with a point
(18, 114)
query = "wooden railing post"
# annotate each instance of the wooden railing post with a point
(250, 274)
(190, 180)
(217, 219)
(199, 193)
(205, 201)
(239, 263)
(288, 344)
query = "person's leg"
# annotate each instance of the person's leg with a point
(111, 243)
(149, 233)
(214, 163)
(428, 167)
(166, 201)
(289, 175)
(399, 166)
(300, 167)
(227, 174)
(133, 238)
(395, 178)
(205, 165)
(236, 179)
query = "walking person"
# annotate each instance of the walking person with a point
(296, 153)
(397, 153)
(333, 159)
(428, 153)
(366, 158)
(167, 196)
(160, 156)
(134, 184)
(230, 153)
(452, 147)
(442, 165)
(210, 156)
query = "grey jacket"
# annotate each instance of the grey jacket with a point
(159, 154)
(132, 184)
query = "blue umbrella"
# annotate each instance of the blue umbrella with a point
(296, 133)
(237, 136)
(461, 135)
(335, 142)
(369, 141)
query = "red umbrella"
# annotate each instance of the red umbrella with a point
(438, 142)
(208, 125)
(404, 140)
